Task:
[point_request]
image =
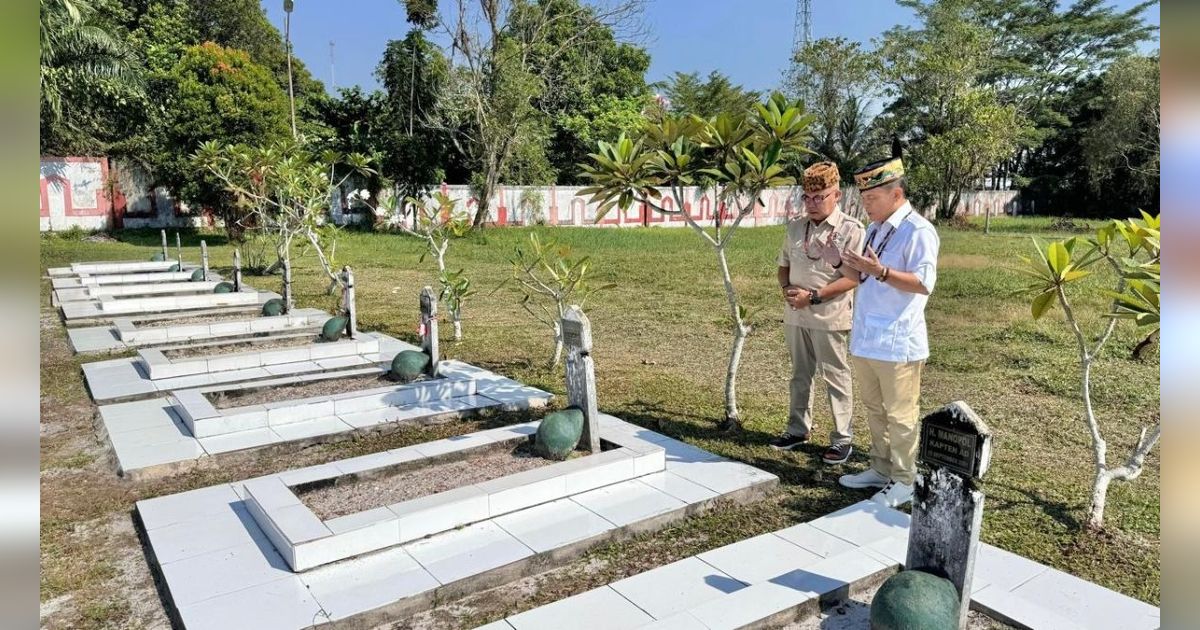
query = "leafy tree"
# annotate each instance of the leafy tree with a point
(489, 109)
(741, 154)
(1043, 52)
(360, 124)
(838, 81)
(415, 150)
(686, 93)
(218, 95)
(1059, 267)
(957, 127)
(1126, 136)
(551, 278)
(284, 191)
(83, 65)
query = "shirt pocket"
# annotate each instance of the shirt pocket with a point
(881, 333)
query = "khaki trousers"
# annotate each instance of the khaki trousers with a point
(816, 351)
(890, 392)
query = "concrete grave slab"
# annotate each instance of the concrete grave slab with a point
(374, 588)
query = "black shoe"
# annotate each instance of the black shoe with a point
(788, 442)
(729, 425)
(837, 454)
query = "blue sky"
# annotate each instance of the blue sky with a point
(748, 40)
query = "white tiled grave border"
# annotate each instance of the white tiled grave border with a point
(305, 541)
(203, 419)
(83, 294)
(150, 438)
(107, 307)
(773, 579)
(117, 267)
(159, 366)
(123, 278)
(220, 571)
(131, 333)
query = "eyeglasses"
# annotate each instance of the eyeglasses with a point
(807, 198)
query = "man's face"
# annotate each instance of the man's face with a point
(819, 205)
(880, 201)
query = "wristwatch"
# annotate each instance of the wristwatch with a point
(814, 297)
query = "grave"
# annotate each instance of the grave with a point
(214, 350)
(87, 288)
(107, 308)
(235, 554)
(190, 402)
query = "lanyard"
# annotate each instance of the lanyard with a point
(870, 240)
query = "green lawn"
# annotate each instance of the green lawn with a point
(660, 352)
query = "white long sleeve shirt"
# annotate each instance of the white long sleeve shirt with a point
(889, 324)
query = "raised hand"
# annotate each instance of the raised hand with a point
(867, 263)
(831, 250)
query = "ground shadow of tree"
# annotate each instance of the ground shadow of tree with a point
(1063, 513)
(152, 237)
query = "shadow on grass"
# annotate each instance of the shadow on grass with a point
(1061, 512)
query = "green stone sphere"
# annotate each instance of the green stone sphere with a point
(273, 307)
(558, 433)
(409, 364)
(197, 275)
(158, 257)
(915, 600)
(223, 287)
(334, 327)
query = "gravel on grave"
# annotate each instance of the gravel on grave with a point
(364, 494)
(195, 319)
(323, 387)
(255, 345)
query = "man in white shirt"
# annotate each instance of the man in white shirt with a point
(888, 341)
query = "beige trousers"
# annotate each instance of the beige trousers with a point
(816, 351)
(890, 392)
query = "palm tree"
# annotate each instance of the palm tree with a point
(76, 54)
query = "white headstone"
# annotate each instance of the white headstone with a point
(348, 302)
(203, 259)
(164, 243)
(237, 270)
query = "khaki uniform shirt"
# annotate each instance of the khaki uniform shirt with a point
(833, 314)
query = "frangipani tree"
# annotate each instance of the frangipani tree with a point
(1132, 248)
(738, 155)
(285, 190)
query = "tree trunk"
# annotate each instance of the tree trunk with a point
(485, 196)
(1099, 498)
(456, 318)
(987, 219)
(740, 330)
(556, 358)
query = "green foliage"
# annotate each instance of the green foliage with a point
(687, 94)
(83, 64)
(456, 288)
(836, 79)
(551, 278)
(742, 154)
(1125, 138)
(220, 97)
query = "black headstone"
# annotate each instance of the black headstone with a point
(955, 438)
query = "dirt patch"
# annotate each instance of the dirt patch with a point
(364, 494)
(244, 346)
(323, 387)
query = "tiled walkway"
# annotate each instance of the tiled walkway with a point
(777, 574)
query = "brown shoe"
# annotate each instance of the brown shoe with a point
(837, 454)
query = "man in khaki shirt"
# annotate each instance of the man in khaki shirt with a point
(817, 287)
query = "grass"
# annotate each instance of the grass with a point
(660, 349)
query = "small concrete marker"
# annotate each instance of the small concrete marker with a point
(581, 373)
(237, 270)
(179, 250)
(428, 328)
(163, 233)
(203, 259)
(348, 302)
